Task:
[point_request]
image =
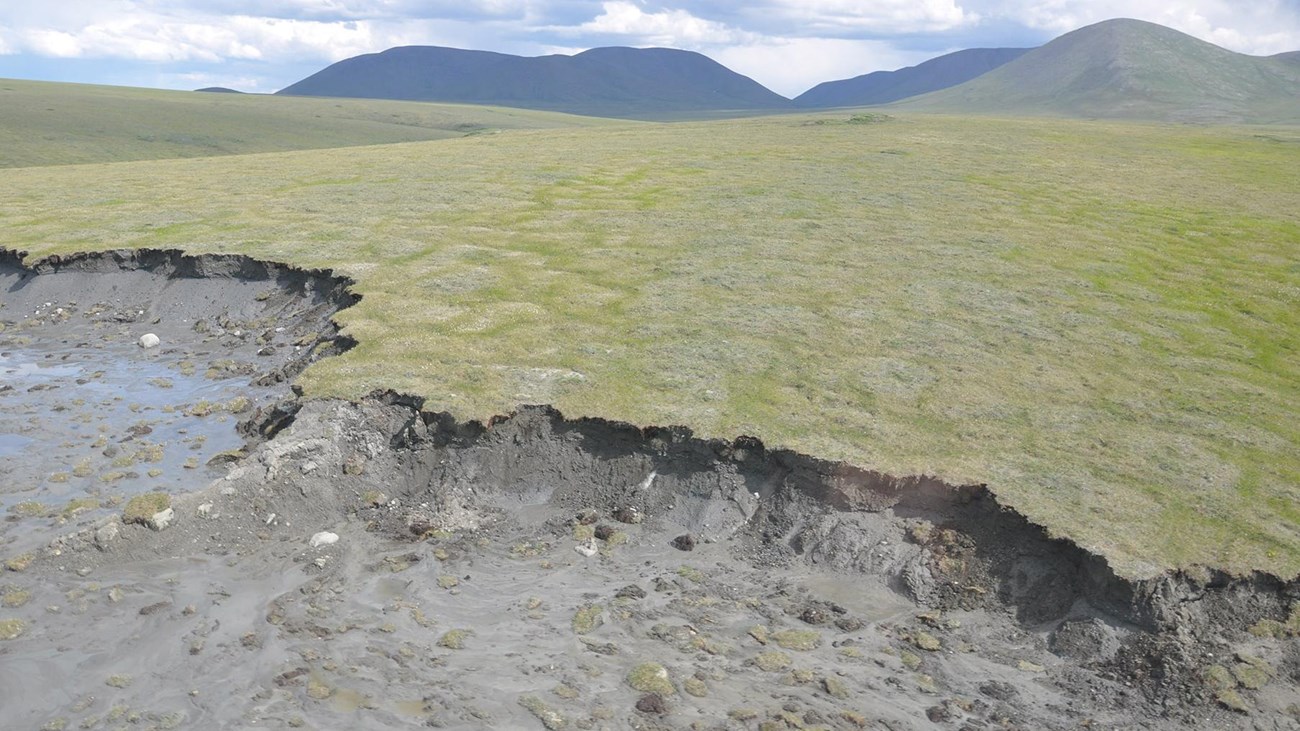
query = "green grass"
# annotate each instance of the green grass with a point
(43, 123)
(1099, 320)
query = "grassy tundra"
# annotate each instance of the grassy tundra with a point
(1100, 320)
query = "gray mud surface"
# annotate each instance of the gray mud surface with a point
(378, 565)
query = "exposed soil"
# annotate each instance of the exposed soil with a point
(381, 565)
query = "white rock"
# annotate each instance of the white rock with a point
(149, 340)
(205, 510)
(587, 547)
(105, 535)
(160, 520)
(324, 538)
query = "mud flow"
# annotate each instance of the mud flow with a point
(268, 561)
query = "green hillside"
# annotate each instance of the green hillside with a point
(1097, 319)
(1130, 69)
(43, 123)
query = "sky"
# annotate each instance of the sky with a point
(787, 45)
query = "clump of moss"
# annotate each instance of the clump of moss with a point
(696, 687)
(15, 598)
(651, 677)
(588, 618)
(454, 639)
(797, 639)
(12, 628)
(20, 562)
(772, 661)
(28, 509)
(835, 688)
(141, 508)
(926, 641)
(119, 681)
(549, 717)
(77, 505)
(690, 573)
(447, 582)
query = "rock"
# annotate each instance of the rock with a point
(628, 515)
(161, 519)
(652, 703)
(324, 538)
(603, 532)
(205, 510)
(587, 548)
(631, 591)
(149, 340)
(106, 534)
(684, 542)
(813, 615)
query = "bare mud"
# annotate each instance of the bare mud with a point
(380, 565)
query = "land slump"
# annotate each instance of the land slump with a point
(379, 564)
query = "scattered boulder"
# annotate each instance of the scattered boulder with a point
(149, 340)
(652, 703)
(324, 538)
(684, 542)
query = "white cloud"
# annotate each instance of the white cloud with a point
(792, 66)
(838, 17)
(677, 28)
(162, 39)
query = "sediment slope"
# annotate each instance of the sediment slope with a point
(379, 564)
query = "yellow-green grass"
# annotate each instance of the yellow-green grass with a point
(1099, 320)
(44, 123)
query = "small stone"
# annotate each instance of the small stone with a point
(323, 538)
(684, 542)
(628, 515)
(813, 615)
(587, 548)
(652, 703)
(631, 591)
(149, 340)
(161, 519)
(105, 535)
(603, 531)
(205, 510)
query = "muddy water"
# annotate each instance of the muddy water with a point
(85, 425)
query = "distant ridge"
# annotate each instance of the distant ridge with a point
(882, 87)
(1135, 70)
(219, 90)
(616, 82)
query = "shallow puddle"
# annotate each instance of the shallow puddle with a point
(85, 426)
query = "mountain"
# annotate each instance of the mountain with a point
(615, 82)
(1131, 69)
(219, 90)
(882, 87)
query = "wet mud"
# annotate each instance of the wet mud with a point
(379, 564)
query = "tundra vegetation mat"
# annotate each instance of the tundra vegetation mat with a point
(1098, 320)
(374, 564)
